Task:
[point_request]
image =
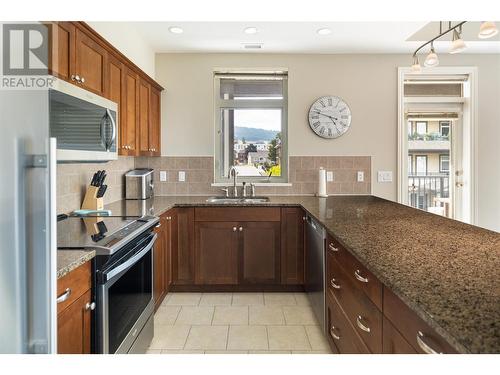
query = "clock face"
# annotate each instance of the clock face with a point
(329, 117)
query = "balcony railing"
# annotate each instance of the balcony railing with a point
(425, 191)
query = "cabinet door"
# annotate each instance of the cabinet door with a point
(394, 342)
(260, 252)
(130, 114)
(183, 246)
(144, 118)
(155, 123)
(90, 63)
(114, 91)
(168, 248)
(159, 270)
(292, 245)
(62, 50)
(73, 327)
(216, 253)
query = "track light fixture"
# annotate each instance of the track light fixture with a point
(487, 30)
(457, 43)
(431, 59)
(416, 68)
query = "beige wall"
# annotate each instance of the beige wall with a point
(128, 42)
(367, 82)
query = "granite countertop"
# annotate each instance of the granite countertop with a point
(448, 272)
(68, 260)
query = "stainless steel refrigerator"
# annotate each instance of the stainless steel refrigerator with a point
(27, 224)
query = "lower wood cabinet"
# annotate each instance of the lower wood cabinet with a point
(260, 252)
(292, 245)
(216, 253)
(74, 311)
(182, 246)
(394, 342)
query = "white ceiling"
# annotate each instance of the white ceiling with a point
(301, 37)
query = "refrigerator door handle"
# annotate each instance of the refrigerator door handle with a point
(52, 164)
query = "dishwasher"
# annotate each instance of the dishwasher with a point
(315, 268)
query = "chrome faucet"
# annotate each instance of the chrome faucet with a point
(233, 173)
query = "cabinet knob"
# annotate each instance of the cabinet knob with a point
(241, 229)
(235, 229)
(73, 77)
(77, 78)
(90, 306)
(82, 80)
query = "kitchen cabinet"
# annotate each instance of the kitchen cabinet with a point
(183, 254)
(155, 122)
(160, 264)
(260, 252)
(62, 49)
(292, 245)
(216, 252)
(90, 63)
(394, 342)
(74, 309)
(82, 57)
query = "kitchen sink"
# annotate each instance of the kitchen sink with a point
(237, 200)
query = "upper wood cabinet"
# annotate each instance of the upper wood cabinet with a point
(90, 63)
(292, 245)
(82, 57)
(144, 118)
(62, 49)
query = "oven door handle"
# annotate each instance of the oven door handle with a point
(115, 271)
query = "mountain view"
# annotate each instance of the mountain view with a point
(253, 134)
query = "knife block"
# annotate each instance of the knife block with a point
(91, 202)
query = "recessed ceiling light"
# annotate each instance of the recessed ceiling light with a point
(250, 30)
(324, 31)
(175, 30)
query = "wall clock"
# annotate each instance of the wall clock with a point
(329, 117)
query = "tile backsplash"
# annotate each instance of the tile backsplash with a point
(72, 179)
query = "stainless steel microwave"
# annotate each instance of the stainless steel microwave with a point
(84, 124)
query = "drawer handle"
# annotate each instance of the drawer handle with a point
(359, 277)
(332, 283)
(361, 325)
(90, 306)
(424, 346)
(333, 248)
(64, 297)
(333, 334)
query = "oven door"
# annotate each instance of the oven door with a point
(126, 298)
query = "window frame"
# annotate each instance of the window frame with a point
(426, 164)
(221, 104)
(426, 127)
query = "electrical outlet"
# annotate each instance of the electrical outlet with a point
(384, 176)
(329, 176)
(361, 176)
(182, 176)
(163, 176)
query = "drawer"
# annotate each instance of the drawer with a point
(415, 331)
(394, 342)
(364, 316)
(237, 214)
(73, 285)
(341, 336)
(359, 274)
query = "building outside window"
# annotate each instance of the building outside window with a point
(421, 127)
(251, 126)
(421, 165)
(444, 129)
(444, 163)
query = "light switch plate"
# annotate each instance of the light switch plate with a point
(361, 176)
(182, 176)
(384, 176)
(163, 176)
(329, 176)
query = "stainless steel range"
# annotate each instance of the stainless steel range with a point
(123, 277)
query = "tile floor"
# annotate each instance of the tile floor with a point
(240, 323)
